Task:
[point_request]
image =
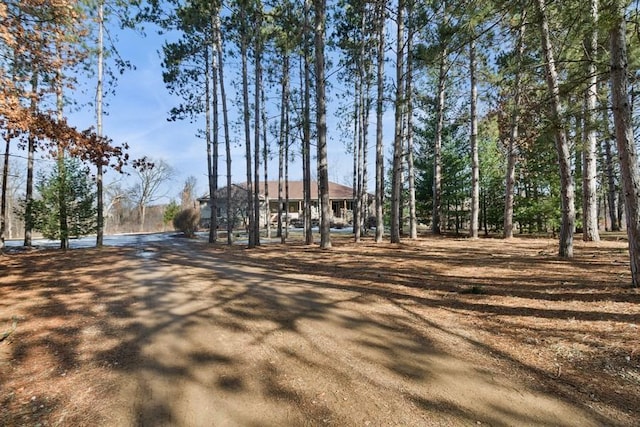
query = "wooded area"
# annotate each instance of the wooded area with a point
(508, 117)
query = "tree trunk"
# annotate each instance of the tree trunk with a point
(321, 123)
(381, 7)
(213, 190)
(207, 134)
(625, 138)
(437, 146)
(398, 146)
(306, 127)
(562, 146)
(257, 125)
(364, 194)
(475, 162)
(247, 135)
(99, 165)
(590, 231)
(62, 206)
(5, 186)
(265, 156)
(510, 175)
(225, 120)
(212, 133)
(609, 172)
(286, 179)
(357, 152)
(413, 221)
(283, 140)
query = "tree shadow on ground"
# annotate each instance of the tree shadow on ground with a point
(282, 332)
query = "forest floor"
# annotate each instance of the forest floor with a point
(440, 331)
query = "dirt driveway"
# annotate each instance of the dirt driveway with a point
(435, 332)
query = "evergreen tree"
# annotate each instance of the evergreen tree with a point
(73, 183)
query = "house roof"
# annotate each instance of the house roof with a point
(336, 191)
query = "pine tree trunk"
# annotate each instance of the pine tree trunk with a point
(396, 177)
(413, 221)
(257, 125)
(590, 232)
(247, 136)
(207, 135)
(286, 179)
(321, 123)
(381, 6)
(62, 195)
(306, 127)
(562, 146)
(475, 163)
(625, 138)
(215, 133)
(510, 174)
(265, 157)
(282, 142)
(31, 148)
(437, 146)
(225, 120)
(99, 166)
(609, 172)
(5, 185)
(364, 194)
(357, 145)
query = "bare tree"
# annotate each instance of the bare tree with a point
(150, 177)
(188, 193)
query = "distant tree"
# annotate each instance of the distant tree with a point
(170, 212)
(151, 176)
(188, 193)
(74, 183)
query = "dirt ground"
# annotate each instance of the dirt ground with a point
(440, 331)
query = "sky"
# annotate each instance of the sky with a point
(137, 114)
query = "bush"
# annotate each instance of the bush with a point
(187, 221)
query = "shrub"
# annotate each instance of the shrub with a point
(187, 221)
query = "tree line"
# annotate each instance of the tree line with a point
(507, 115)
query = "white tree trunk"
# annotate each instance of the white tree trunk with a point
(590, 199)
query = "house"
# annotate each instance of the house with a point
(341, 199)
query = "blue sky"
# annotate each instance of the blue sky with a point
(137, 114)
